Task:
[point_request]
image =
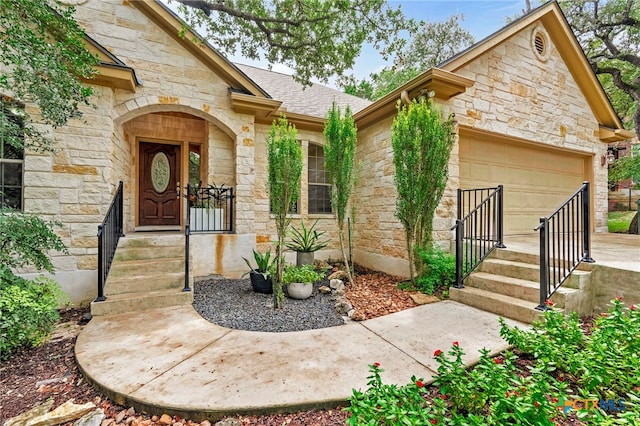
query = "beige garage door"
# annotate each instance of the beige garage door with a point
(536, 180)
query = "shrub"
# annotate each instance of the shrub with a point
(28, 311)
(439, 270)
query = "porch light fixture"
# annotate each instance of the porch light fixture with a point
(607, 159)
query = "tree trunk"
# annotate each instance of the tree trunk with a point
(344, 254)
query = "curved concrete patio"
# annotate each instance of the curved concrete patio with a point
(171, 360)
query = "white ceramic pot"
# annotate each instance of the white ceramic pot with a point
(300, 290)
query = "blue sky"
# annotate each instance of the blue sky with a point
(481, 18)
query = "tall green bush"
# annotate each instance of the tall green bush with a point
(422, 142)
(340, 135)
(284, 168)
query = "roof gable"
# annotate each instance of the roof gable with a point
(551, 17)
(172, 25)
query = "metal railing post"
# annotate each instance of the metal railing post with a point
(459, 254)
(586, 221)
(231, 207)
(544, 267)
(121, 209)
(186, 258)
(500, 218)
(100, 297)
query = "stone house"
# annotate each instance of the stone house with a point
(531, 115)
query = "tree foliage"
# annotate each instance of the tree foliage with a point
(340, 136)
(421, 140)
(284, 169)
(609, 33)
(43, 61)
(625, 168)
(316, 38)
(433, 43)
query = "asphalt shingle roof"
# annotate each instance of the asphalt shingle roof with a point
(314, 100)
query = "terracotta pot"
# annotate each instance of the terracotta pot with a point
(300, 290)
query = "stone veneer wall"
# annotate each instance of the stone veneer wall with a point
(514, 94)
(76, 184)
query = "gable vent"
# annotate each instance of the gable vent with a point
(539, 44)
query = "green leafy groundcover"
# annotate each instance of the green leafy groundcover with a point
(28, 311)
(593, 377)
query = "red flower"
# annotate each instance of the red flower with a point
(633, 307)
(377, 364)
(554, 399)
(378, 407)
(419, 384)
(507, 394)
(549, 302)
(434, 422)
(437, 353)
(537, 404)
(497, 360)
(443, 396)
(456, 343)
(619, 298)
(604, 314)
(517, 394)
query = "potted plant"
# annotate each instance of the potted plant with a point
(299, 280)
(260, 276)
(305, 241)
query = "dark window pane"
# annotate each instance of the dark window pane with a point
(11, 198)
(11, 174)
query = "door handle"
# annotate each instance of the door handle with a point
(178, 190)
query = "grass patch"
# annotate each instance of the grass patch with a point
(619, 221)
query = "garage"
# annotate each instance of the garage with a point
(536, 179)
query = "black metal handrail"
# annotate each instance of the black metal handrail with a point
(565, 242)
(210, 208)
(109, 233)
(479, 228)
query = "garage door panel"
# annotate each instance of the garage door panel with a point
(536, 179)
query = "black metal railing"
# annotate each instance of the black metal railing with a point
(479, 228)
(565, 242)
(109, 233)
(210, 208)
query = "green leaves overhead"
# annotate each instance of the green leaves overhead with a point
(316, 38)
(43, 60)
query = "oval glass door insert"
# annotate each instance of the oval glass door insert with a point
(160, 172)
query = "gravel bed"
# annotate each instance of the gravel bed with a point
(233, 304)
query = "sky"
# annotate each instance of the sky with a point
(481, 18)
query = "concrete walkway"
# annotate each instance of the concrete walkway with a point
(174, 361)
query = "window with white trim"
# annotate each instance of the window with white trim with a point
(319, 190)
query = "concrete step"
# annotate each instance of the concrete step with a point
(146, 267)
(151, 240)
(130, 302)
(144, 283)
(515, 256)
(510, 268)
(145, 253)
(515, 287)
(506, 306)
